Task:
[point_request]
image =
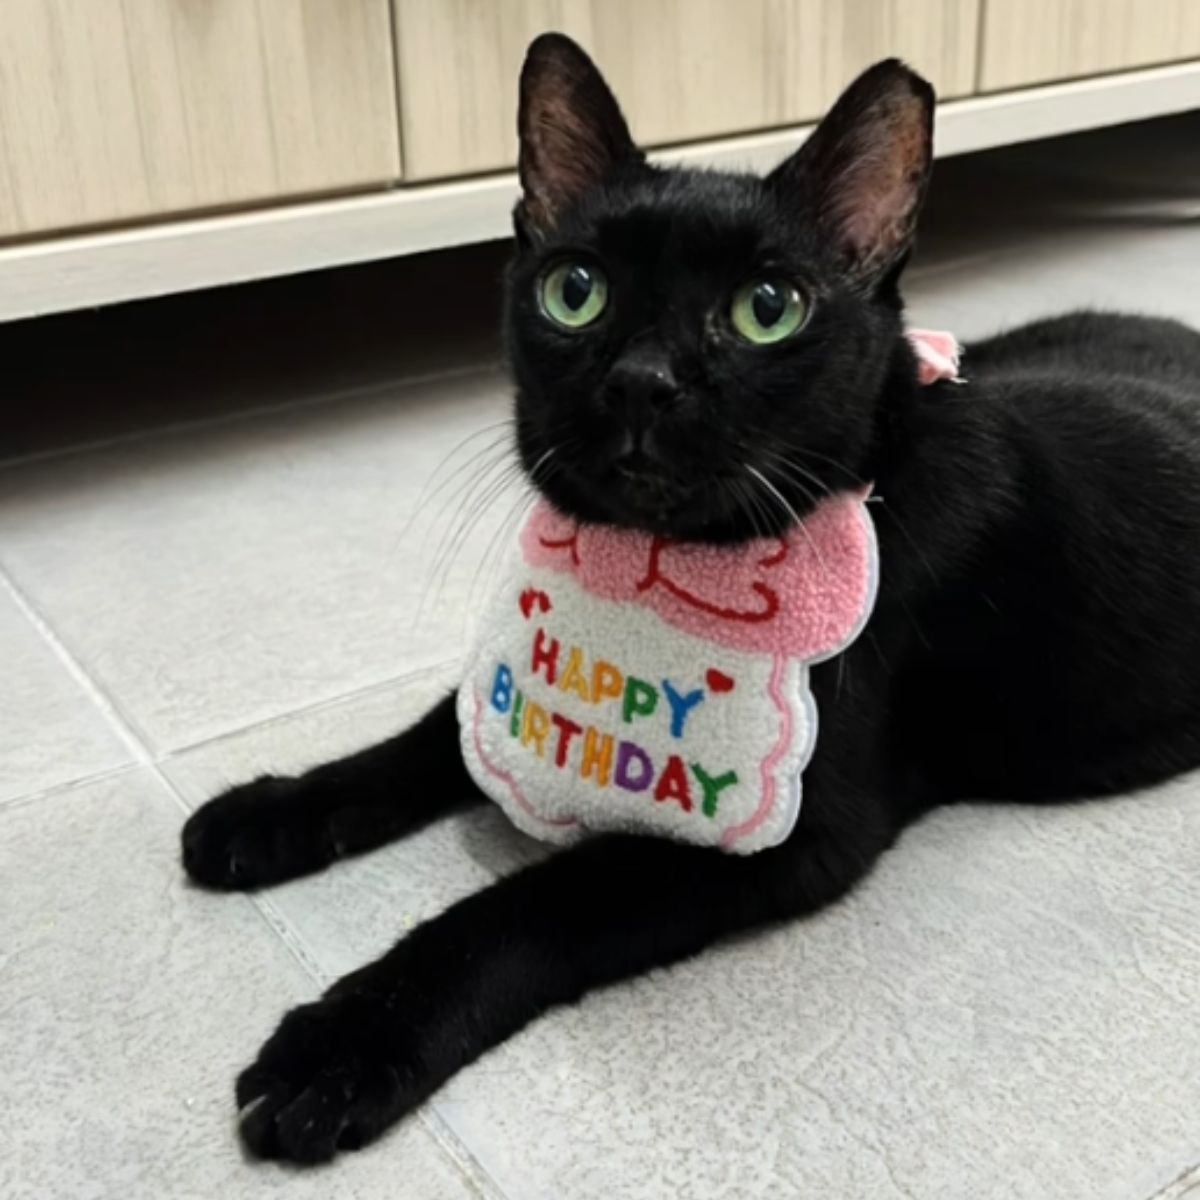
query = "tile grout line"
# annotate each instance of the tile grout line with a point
(68, 785)
(439, 1130)
(174, 753)
(1180, 1186)
(455, 1148)
(126, 730)
(316, 706)
(122, 726)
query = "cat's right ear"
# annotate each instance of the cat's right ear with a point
(571, 129)
(863, 172)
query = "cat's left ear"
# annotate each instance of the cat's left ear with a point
(864, 170)
(572, 133)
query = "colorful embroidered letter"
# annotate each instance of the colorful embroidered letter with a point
(567, 729)
(673, 784)
(638, 778)
(545, 655)
(712, 787)
(573, 678)
(537, 725)
(680, 706)
(597, 756)
(502, 689)
(607, 682)
(514, 725)
(640, 699)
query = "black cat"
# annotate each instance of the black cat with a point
(1036, 636)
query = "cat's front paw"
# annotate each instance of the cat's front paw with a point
(332, 1077)
(259, 833)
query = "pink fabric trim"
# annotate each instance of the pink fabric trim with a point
(800, 595)
(735, 833)
(506, 778)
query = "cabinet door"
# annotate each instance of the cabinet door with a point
(682, 69)
(119, 109)
(1035, 41)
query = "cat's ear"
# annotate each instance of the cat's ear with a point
(864, 170)
(572, 132)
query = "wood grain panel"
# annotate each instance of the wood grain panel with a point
(683, 69)
(116, 109)
(1034, 41)
(59, 274)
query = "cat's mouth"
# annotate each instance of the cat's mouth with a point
(642, 480)
(643, 496)
(684, 496)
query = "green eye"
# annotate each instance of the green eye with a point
(767, 310)
(574, 294)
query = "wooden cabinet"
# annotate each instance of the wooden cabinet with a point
(277, 127)
(683, 69)
(118, 109)
(1034, 41)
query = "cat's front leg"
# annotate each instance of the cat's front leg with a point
(337, 1072)
(276, 828)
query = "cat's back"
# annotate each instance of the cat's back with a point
(1119, 342)
(1128, 362)
(1081, 599)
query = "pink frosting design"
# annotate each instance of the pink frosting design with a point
(803, 595)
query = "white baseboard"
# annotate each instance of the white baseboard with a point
(65, 273)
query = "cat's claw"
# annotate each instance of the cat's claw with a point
(328, 1079)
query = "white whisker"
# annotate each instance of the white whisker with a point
(433, 485)
(797, 519)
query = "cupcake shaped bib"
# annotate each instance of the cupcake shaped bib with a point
(621, 681)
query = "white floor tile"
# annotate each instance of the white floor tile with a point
(50, 730)
(1145, 269)
(353, 912)
(218, 577)
(130, 1000)
(1005, 1010)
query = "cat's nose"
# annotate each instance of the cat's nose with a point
(641, 382)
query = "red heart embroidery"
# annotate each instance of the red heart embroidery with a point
(530, 597)
(718, 681)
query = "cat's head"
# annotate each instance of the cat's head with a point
(697, 354)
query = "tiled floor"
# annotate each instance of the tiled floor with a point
(205, 572)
